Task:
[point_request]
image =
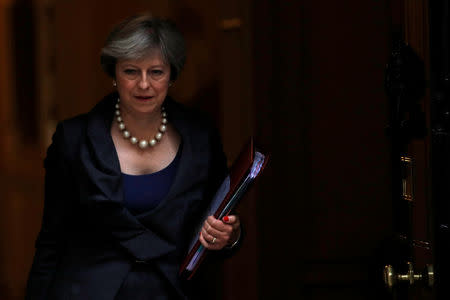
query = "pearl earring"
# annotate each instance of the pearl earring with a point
(114, 83)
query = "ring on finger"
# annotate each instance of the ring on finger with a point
(213, 240)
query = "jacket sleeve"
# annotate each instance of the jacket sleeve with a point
(50, 241)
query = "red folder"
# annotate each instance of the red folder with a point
(245, 169)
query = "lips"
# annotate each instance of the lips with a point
(143, 98)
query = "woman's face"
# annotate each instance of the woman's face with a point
(143, 83)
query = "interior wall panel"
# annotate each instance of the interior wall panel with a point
(327, 193)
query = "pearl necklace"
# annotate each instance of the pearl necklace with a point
(133, 140)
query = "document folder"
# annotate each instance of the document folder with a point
(243, 172)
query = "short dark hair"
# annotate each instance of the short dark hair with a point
(137, 36)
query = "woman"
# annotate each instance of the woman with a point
(127, 183)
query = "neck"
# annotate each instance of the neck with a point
(142, 125)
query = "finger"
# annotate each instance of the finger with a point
(232, 220)
(225, 233)
(213, 236)
(210, 230)
(235, 222)
(208, 237)
(203, 241)
(218, 225)
(211, 223)
(210, 246)
(229, 219)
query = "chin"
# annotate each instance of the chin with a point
(147, 108)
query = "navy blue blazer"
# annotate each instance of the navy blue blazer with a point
(89, 241)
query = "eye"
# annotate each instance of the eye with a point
(157, 72)
(130, 71)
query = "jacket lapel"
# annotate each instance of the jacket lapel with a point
(103, 190)
(185, 171)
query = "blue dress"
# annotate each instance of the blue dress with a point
(143, 193)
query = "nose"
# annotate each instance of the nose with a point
(144, 81)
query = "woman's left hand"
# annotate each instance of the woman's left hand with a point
(216, 234)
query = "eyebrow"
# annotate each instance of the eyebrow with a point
(134, 66)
